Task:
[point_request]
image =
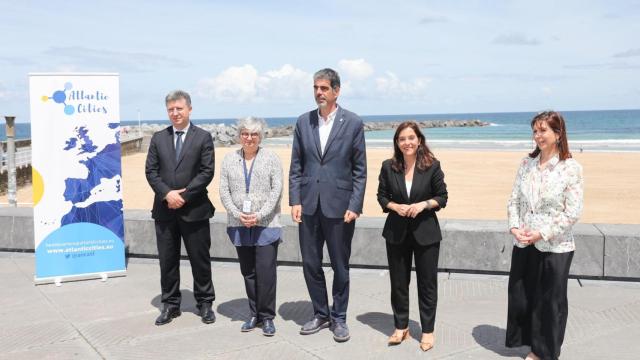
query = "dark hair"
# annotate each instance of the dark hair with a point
(424, 156)
(328, 74)
(555, 121)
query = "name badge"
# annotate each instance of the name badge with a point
(246, 206)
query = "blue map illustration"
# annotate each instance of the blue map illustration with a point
(101, 165)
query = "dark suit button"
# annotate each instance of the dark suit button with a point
(317, 181)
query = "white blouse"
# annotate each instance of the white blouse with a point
(549, 200)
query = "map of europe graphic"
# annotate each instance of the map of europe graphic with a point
(101, 166)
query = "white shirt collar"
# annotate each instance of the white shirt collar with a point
(183, 130)
(331, 116)
(555, 159)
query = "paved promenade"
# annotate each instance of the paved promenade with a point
(115, 319)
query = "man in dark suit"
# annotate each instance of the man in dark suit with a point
(327, 179)
(179, 167)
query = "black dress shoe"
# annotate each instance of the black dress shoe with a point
(168, 314)
(206, 313)
(250, 324)
(315, 325)
(268, 328)
(340, 332)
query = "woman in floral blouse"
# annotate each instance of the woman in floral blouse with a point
(545, 203)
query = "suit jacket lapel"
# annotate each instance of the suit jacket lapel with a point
(315, 130)
(338, 122)
(169, 144)
(401, 184)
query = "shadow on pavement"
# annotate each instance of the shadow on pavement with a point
(297, 311)
(188, 302)
(383, 323)
(492, 338)
(236, 309)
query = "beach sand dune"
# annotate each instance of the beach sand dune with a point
(479, 184)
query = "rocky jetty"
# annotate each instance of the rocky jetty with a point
(226, 135)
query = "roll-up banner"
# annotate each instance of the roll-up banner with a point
(77, 176)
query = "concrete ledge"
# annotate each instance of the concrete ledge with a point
(621, 250)
(603, 250)
(475, 245)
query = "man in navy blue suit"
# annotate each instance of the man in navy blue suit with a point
(327, 179)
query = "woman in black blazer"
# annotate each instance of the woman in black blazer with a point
(411, 189)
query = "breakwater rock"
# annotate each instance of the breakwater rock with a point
(226, 135)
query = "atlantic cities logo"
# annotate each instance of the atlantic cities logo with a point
(78, 101)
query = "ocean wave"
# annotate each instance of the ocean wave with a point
(497, 144)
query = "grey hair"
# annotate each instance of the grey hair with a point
(252, 124)
(328, 74)
(177, 95)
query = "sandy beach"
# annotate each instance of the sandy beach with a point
(479, 183)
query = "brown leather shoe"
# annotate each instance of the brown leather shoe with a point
(398, 336)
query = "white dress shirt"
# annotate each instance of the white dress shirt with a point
(324, 127)
(175, 136)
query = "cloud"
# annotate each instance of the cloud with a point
(515, 39)
(113, 60)
(586, 66)
(432, 20)
(355, 69)
(628, 53)
(16, 61)
(609, 66)
(7, 94)
(524, 77)
(243, 84)
(391, 86)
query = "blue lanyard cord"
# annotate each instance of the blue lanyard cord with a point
(247, 177)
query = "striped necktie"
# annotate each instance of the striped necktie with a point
(178, 143)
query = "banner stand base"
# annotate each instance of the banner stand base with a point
(57, 280)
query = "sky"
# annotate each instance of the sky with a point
(257, 58)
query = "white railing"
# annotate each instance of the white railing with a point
(23, 158)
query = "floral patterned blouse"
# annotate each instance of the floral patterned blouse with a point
(549, 200)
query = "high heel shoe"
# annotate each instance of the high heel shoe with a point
(398, 336)
(426, 345)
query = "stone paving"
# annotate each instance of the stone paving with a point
(92, 319)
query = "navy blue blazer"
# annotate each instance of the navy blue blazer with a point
(427, 184)
(335, 179)
(193, 171)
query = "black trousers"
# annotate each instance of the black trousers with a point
(426, 264)
(314, 231)
(538, 308)
(258, 267)
(197, 241)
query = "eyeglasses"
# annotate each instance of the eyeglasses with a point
(246, 135)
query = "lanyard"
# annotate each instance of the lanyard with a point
(247, 176)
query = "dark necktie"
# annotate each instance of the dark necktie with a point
(178, 143)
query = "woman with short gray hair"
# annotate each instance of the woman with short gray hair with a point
(250, 190)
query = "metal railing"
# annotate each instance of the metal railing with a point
(23, 158)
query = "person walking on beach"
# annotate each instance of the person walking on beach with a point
(411, 189)
(250, 190)
(180, 165)
(545, 203)
(327, 179)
